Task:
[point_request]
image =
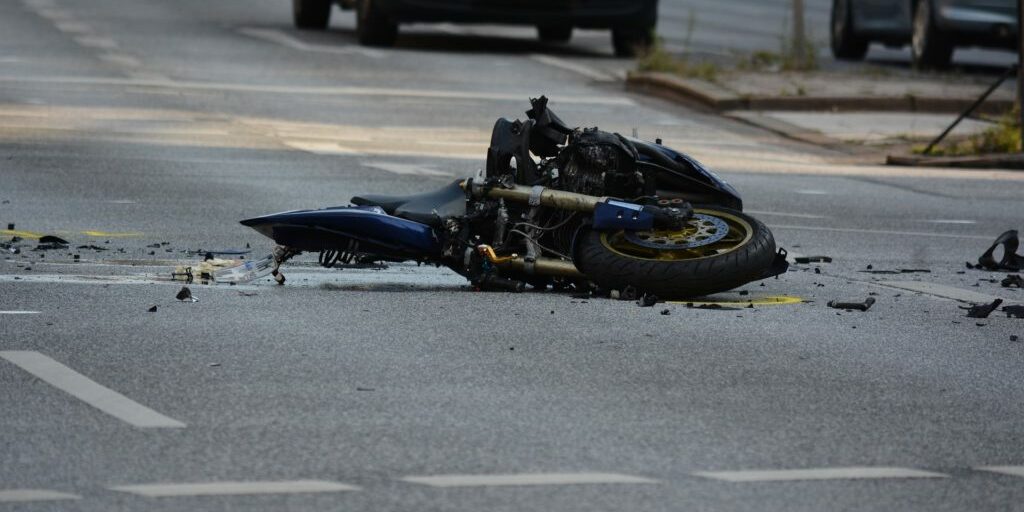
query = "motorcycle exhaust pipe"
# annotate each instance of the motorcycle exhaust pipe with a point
(540, 267)
(536, 196)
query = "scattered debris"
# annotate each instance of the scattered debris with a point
(1011, 260)
(869, 267)
(879, 271)
(1013, 337)
(982, 310)
(666, 312)
(10, 226)
(50, 242)
(1014, 311)
(152, 309)
(744, 292)
(817, 270)
(248, 294)
(1013, 280)
(93, 247)
(647, 301)
(915, 271)
(214, 364)
(813, 259)
(185, 295)
(850, 306)
(364, 389)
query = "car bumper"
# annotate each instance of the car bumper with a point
(577, 13)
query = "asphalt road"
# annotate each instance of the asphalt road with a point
(125, 124)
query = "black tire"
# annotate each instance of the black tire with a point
(929, 47)
(735, 263)
(373, 27)
(846, 44)
(311, 14)
(630, 42)
(554, 34)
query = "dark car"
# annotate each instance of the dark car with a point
(631, 21)
(933, 28)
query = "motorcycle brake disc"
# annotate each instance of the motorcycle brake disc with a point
(700, 230)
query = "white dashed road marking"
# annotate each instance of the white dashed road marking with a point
(880, 232)
(526, 479)
(230, 488)
(952, 221)
(13, 495)
(1005, 470)
(850, 473)
(812, 192)
(103, 43)
(19, 312)
(408, 169)
(941, 290)
(784, 214)
(573, 67)
(88, 391)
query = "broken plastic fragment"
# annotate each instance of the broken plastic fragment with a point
(1014, 311)
(813, 259)
(982, 310)
(858, 306)
(1011, 260)
(51, 242)
(152, 309)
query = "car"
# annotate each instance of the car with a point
(932, 28)
(631, 21)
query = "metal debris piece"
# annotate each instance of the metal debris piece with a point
(1010, 261)
(1013, 280)
(813, 259)
(982, 310)
(857, 306)
(185, 295)
(1014, 311)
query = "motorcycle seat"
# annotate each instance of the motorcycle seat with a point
(429, 208)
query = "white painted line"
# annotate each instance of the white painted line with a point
(13, 495)
(283, 39)
(1006, 470)
(784, 214)
(941, 290)
(527, 479)
(55, 14)
(15, 312)
(88, 391)
(73, 27)
(323, 91)
(952, 221)
(850, 473)
(230, 488)
(573, 67)
(120, 59)
(812, 192)
(879, 232)
(319, 147)
(103, 43)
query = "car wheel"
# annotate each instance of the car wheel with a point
(629, 42)
(311, 14)
(929, 47)
(846, 45)
(373, 27)
(557, 34)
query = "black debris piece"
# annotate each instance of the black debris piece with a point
(647, 301)
(968, 264)
(915, 271)
(247, 294)
(666, 312)
(49, 242)
(869, 267)
(982, 310)
(850, 306)
(153, 246)
(10, 226)
(208, 257)
(1011, 260)
(93, 247)
(1013, 280)
(817, 270)
(979, 324)
(214, 365)
(879, 271)
(744, 292)
(76, 257)
(152, 309)
(1014, 311)
(1013, 337)
(813, 259)
(185, 295)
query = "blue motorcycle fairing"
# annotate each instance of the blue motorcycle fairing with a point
(334, 228)
(680, 175)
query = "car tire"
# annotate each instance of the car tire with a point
(311, 14)
(929, 47)
(846, 44)
(629, 42)
(374, 28)
(555, 34)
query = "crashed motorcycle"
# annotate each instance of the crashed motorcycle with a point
(559, 207)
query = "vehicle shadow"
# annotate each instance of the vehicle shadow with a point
(469, 43)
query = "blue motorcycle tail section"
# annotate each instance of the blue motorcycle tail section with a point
(335, 228)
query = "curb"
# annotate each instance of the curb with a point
(676, 88)
(1008, 161)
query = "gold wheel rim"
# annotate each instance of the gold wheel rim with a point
(740, 232)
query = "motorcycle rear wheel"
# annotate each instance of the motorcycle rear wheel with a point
(689, 266)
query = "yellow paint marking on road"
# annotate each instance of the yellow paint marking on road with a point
(110, 234)
(23, 234)
(771, 300)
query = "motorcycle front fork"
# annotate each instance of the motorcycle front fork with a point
(282, 254)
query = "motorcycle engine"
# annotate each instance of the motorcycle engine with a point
(600, 163)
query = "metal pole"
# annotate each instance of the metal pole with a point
(799, 44)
